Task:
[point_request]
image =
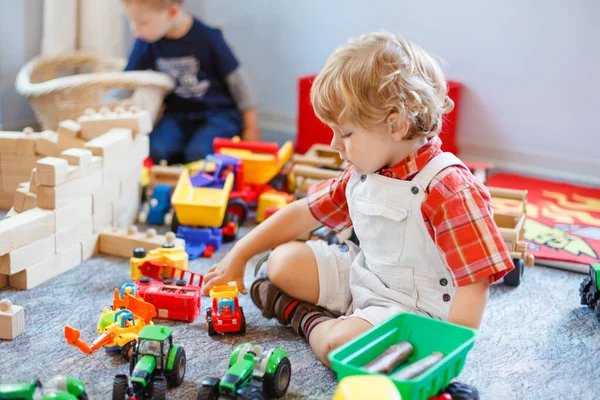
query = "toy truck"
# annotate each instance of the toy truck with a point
(512, 227)
(252, 374)
(175, 297)
(118, 327)
(169, 254)
(60, 387)
(158, 210)
(590, 290)
(155, 364)
(225, 315)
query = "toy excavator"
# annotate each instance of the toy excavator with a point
(118, 327)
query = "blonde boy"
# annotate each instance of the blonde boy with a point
(428, 242)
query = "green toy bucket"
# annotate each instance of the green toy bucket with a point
(426, 336)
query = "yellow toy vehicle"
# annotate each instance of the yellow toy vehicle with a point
(169, 254)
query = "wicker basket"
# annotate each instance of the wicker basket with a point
(63, 87)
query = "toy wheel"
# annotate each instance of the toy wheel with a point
(178, 372)
(209, 389)
(83, 396)
(174, 223)
(120, 387)
(243, 325)
(584, 289)
(462, 391)
(169, 281)
(250, 393)
(231, 218)
(240, 208)
(180, 282)
(145, 279)
(597, 310)
(210, 327)
(276, 384)
(139, 252)
(159, 389)
(127, 350)
(513, 278)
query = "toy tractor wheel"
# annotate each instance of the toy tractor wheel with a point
(230, 237)
(597, 310)
(584, 289)
(174, 223)
(83, 396)
(462, 391)
(127, 350)
(178, 372)
(120, 387)
(240, 208)
(513, 278)
(210, 326)
(209, 389)
(249, 393)
(276, 384)
(159, 388)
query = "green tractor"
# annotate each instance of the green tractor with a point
(58, 388)
(252, 375)
(155, 363)
(590, 290)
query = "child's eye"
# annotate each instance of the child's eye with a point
(346, 136)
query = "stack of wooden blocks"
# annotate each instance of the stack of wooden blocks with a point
(71, 195)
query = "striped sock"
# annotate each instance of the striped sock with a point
(311, 320)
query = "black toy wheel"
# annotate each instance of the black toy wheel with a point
(180, 282)
(584, 289)
(174, 223)
(83, 396)
(462, 391)
(513, 278)
(210, 326)
(597, 310)
(169, 281)
(139, 252)
(127, 349)
(179, 365)
(276, 384)
(231, 218)
(159, 389)
(250, 393)
(120, 387)
(243, 325)
(209, 389)
(239, 208)
(145, 279)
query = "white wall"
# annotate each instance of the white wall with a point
(530, 67)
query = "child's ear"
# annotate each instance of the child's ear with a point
(173, 10)
(399, 126)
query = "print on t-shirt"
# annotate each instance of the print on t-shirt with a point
(184, 70)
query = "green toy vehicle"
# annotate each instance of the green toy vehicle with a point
(252, 374)
(590, 290)
(155, 363)
(58, 388)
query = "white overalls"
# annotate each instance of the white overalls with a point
(398, 266)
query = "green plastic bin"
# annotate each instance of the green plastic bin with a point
(426, 336)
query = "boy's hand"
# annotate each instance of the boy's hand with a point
(251, 134)
(231, 268)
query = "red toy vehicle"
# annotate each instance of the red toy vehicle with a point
(225, 315)
(176, 297)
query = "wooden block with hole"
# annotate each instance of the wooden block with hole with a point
(72, 213)
(25, 228)
(47, 144)
(94, 124)
(47, 269)
(26, 256)
(69, 128)
(12, 320)
(122, 242)
(61, 195)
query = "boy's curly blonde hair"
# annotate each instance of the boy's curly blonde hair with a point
(367, 79)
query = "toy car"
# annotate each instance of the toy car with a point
(225, 315)
(169, 254)
(60, 387)
(158, 210)
(176, 297)
(590, 290)
(118, 327)
(155, 364)
(252, 374)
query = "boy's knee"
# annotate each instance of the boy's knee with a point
(196, 153)
(278, 259)
(337, 338)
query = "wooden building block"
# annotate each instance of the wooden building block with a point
(126, 209)
(112, 147)
(90, 246)
(69, 128)
(74, 172)
(73, 234)
(67, 142)
(121, 242)
(30, 201)
(51, 171)
(69, 215)
(19, 201)
(164, 175)
(47, 144)
(12, 320)
(26, 256)
(103, 219)
(106, 196)
(94, 124)
(47, 269)
(77, 157)
(131, 180)
(26, 143)
(6, 199)
(3, 281)
(10, 213)
(25, 228)
(33, 181)
(61, 195)
(8, 142)
(16, 169)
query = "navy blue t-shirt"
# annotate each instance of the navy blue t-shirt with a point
(199, 62)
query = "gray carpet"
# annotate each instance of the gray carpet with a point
(536, 342)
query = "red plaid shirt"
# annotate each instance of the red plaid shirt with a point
(457, 211)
